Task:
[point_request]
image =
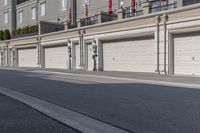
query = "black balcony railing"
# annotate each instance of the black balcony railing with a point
(72, 26)
(21, 1)
(98, 18)
(89, 20)
(190, 2)
(127, 12)
(158, 5)
(105, 17)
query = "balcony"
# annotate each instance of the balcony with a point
(101, 17)
(190, 2)
(89, 21)
(21, 1)
(158, 5)
(71, 26)
(128, 13)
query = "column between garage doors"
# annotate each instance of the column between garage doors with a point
(88, 53)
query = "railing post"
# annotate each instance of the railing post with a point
(66, 26)
(145, 7)
(120, 13)
(79, 23)
(179, 3)
(99, 17)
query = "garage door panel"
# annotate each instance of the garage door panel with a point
(187, 54)
(181, 59)
(56, 57)
(27, 57)
(132, 55)
(197, 69)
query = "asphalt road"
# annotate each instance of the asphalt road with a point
(137, 107)
(16, 117)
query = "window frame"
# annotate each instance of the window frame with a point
(63, 7)
(43, 11)
(33, 13)
(84, 2)
(6, 17)
(5, 2)
(20, 15)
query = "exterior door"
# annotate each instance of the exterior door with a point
(56, 57)
(135, 55)
(187, 54)
(27, 57)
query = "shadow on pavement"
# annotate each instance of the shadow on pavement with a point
(135, 107)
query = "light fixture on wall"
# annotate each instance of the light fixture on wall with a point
(121, 4)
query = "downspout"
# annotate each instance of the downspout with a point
(81, 49)
(69, 46)
(39, 45)
(7, 56)
(80, 43)
(158, 44)
(39, 32)
(165, 44)
(13, 54)
(94, 45)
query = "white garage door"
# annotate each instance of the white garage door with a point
(187, 54)
(27, 57)
(136, 55)
(90, 61)
(56, 57)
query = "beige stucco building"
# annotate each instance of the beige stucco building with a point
(156, 38)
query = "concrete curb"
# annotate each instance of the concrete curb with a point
(70, 118)
(144, 81)
(152, 82)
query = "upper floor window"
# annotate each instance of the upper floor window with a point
(20, 16)
(43, 9)
(63, 4)
(85, 2)
(5, 17)
(33, 11)
(5, 2)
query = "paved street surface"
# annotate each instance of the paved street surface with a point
(137, 107)
(16, 117)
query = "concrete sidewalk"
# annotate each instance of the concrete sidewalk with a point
(130, 75)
